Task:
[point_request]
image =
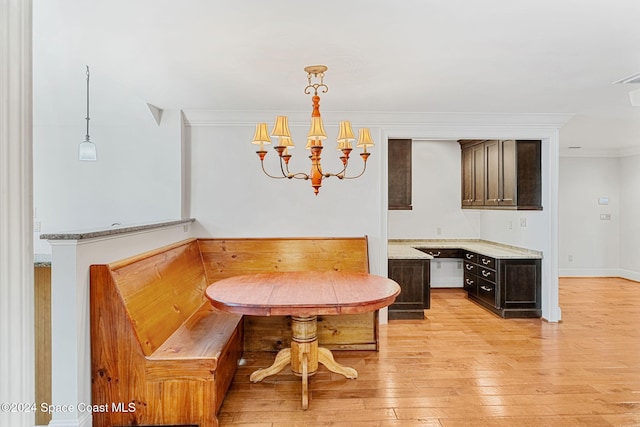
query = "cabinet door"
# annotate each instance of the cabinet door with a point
(520, 283)
(399, 170)
(508, 173)
(413, 277)
(467, 176)
(478, 175)
(492, 175)
(501, 173)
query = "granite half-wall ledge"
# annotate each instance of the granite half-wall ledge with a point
(114, 230)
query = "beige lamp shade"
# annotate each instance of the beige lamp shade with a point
(344, 146)
(364, 139)
(281, 127)
(345, 134)
(317, 129)
(262, 134)
(285, 141)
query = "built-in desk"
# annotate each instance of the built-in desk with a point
(505, 280)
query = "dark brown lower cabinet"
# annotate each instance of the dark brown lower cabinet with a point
(508, 287)
(413, 276)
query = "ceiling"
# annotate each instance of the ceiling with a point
(491, 56)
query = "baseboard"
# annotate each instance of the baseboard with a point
(586, 272)
(82, 420)
(589, 272)
(630, 275)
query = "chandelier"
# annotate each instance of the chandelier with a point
(315, 77)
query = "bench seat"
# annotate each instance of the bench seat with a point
(158, 344)
(203, 336)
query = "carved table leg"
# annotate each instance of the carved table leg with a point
(326, 358)
(283, 358)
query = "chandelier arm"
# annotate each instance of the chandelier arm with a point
(340, 174)
(298, 175)
(359, 175)
(284, 174)
(268, 174)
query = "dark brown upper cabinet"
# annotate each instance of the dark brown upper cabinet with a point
(501, 174)
(473, 169)
(399, 172)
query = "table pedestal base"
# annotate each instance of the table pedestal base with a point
(304, 356)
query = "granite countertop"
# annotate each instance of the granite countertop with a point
(113, 230)
(404, 251)
(495, 250)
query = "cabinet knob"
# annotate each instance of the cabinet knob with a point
(485, 261)
(486, 273)
(485, 288)
(469, 282)
(434, 254)
(469, 267)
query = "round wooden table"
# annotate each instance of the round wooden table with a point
(303, 295)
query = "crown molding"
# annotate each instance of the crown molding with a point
(387, 120)
(400, 125)
(600, 152)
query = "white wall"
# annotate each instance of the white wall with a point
(436, 212)
(137, 176)
(589, 246)
(629, 214)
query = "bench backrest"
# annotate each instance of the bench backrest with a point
(224, 258)
(160, 290)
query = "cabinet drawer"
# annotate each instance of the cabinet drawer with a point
(442, 253)
(470, 284)
(485, 273)
(485, 261)
(487, 292)
(470, 268)
(470, 256)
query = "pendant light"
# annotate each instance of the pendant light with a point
(87, 149)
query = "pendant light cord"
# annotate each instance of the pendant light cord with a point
(87, 136)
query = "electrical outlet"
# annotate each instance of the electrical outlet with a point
(439, 231)
(510, 225)
(570, 258)
(523, 222)
(37, 226)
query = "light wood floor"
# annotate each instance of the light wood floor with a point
(462, 366)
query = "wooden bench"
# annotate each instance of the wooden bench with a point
(159, 349)
(158, 344)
